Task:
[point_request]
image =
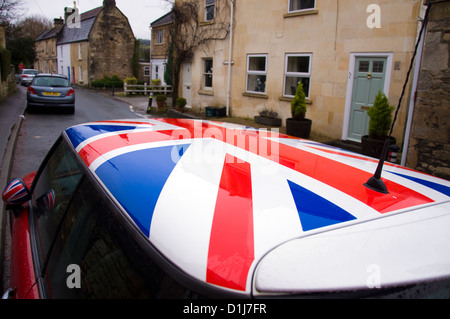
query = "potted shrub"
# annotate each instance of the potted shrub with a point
(298, 125)
(180, 103)
(380, 119)
(268, 117)
(161, 100)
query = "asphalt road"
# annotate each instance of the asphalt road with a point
(40, 130)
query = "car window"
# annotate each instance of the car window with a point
(52, 192)
(51, 81)
(110, 263)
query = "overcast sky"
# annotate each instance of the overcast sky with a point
(140, 13)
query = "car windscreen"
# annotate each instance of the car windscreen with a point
(51, 81)
(30, 72)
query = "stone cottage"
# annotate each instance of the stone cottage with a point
(45, 46)
(344, 53)
(91, 45)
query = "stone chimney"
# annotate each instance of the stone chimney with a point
(109, 3)
(58, 22)
(68, 12)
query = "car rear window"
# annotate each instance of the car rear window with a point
(51, 195)
(51, 81)
(30, 72)
(110, 263)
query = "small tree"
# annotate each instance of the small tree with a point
(298, 104)
(380, 117)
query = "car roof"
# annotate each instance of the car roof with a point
(226, 203)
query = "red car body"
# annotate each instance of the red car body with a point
(22, 277)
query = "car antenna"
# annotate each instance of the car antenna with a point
(375, 182)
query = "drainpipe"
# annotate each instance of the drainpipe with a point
(229, 57)
(151, 60)
(412, 100)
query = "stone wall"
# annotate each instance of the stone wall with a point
(429, 149)
(111, 45)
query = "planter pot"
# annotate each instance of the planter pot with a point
(209, 110)
(161, 103)
(298, 128)
(220, 111)
(216, 111)
(267, 121)
(373, 147)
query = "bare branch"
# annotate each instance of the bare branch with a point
(189, 32)
(9, 10)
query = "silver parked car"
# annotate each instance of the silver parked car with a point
(27, 76)
(51, 91)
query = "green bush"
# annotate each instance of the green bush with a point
(131, 81)
(298, 104)
(108, 82)
(380, 117)
(156, 82)
(161, 98)
(180, 102)
(269, 114)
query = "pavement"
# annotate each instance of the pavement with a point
(140, 102)
(11, 117)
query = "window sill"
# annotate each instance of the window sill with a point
(206, 92)
(203, 23)
(256, 95)
(301, 13)
(289, 99)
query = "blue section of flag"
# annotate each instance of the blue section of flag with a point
(315, 211)
(136, 180)
(437, 187)
(79, 134)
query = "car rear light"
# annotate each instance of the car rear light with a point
(71, 92)
(31, 90)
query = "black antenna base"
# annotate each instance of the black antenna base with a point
(377, 185)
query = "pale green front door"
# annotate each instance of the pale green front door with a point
(369, 79)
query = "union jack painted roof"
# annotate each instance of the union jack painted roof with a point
(216, 198)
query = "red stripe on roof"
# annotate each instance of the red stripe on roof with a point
(94, 150)
(231, 248)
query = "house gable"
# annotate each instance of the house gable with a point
(111, 45)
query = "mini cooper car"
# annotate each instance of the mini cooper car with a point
(51, 91)
(178, 208)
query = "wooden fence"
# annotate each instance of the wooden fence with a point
(146, 89)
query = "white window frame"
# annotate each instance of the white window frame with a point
(147, 70)
(205, 74)
(160, 36)
(297, 74)
(80, 52)
(206, 10)
(300, 10)
(253, 72)
(80, 70)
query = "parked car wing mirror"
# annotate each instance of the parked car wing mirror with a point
(16, 193)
